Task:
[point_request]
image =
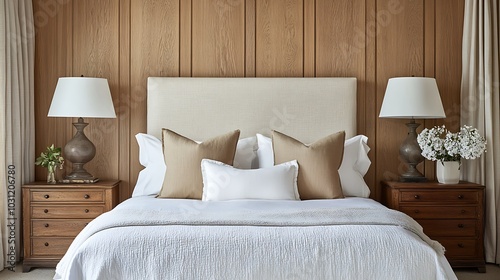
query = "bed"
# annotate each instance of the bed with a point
(267, 221)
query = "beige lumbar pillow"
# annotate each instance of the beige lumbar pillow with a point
(318, 163)
(183, 159)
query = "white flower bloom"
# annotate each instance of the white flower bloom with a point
(467, 143)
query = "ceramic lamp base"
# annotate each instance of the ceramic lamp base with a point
(79, 151)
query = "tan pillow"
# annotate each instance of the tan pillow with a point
(183, 159)
(318, 163)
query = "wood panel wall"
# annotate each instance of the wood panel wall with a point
(127, 41)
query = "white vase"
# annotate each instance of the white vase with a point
(448, 172)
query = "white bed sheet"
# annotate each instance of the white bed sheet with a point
(238, 251)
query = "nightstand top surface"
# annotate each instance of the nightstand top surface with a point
(99, 184)
(431, 185)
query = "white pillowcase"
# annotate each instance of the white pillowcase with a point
(265, 153)
(151, 178)
(354, 165)
(224, 182)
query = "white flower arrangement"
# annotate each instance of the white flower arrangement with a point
(467, 143)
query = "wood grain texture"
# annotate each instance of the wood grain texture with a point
(185, 34)
(53, 56)
(429, 67)
(122, 110)
(400, 52)
(448, 58)
(44, 218)
(250, 38)
(309, 39)
(218, 38)
(280, 31)
(154, 51)
(96, 54)
(368, 109)
(340, 38)
(127, 41)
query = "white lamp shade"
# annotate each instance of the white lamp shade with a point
(82, 97)
(412, 97)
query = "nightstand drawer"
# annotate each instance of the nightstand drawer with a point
(462, 228)
(58, 228)
(452, 214)
(460, 247)
(54, 214)
(441, 212)
(50, 246)
(456, 196)
(51, 212)
(67, 196)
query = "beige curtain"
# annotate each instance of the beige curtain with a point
(17, 123)
(481, 108)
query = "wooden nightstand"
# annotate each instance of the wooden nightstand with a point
(451, 214)
(53, 214)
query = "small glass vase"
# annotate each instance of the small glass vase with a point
(51, 175)
(448, 172)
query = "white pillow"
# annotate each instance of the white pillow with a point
(265, 153)
(224, 182)
(354, 165)
(151, 178)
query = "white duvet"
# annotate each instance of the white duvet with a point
(352, 238)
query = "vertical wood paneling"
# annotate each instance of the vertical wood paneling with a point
(123, 111)
(400, 52)
(309, 38)
(53, 59)
(185, 30)
(429, 67)
(280, 29)
(340, 38)
(95, 54)
(250, 38)
(448, 58)
(127, 41)
(154, 48)
(218, 38)
(368, 109)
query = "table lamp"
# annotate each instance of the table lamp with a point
(81, 97)
(412, 98)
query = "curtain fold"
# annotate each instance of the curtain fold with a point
(17, 123)
(481, 108)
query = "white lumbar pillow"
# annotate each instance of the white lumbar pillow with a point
(224, 182)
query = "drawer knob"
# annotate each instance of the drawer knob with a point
(460, 245)
(46, 244)
(46, 211)
(460, 196)
(463, 211)
(417, 211)
(46, 196)
(86, 196)
(417, 196)
(461, 225)
(86, 210)
(46, 225)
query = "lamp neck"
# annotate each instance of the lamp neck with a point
(412, 127)
(80, 125)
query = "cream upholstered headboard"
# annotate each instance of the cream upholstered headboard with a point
(200, 108)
